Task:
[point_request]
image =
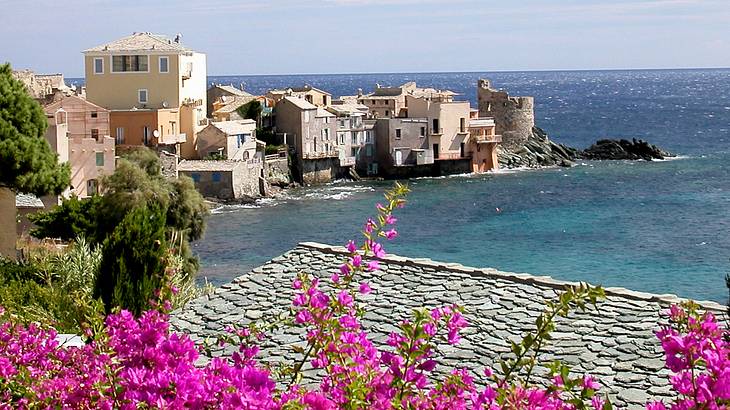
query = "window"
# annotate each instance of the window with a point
(306, 116)
(99, 159)
(146, 135)
(397, 133)
(95, 134)
(341, 137)
(92, 187)
(387, 113)
(369, 150)
(326, 134)
(342, 123)
(120, 135)
(164, 64)
(195, 176)
(122, 64)
(368, 137)
(423, 131)
(435, 129)
(353, 152)
(98, 65)
(142, 96)
(354, 138)
(94, 114)
(216, 177)
(462, 124)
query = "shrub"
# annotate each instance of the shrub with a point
(133, 261)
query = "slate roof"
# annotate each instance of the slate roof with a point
(301, 103)
(616, 343)
(27, 201)
(235, 127)
(140, 42)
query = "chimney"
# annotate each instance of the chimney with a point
(178, 37)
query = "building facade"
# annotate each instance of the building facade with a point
(136, 76)
(314, 96)
(226, 180)
(514, 117)
(448, 125)
(311, 136)
(231, 140)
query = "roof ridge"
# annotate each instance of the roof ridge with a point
(524, 278)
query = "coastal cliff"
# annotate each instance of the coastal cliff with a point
(537, 151)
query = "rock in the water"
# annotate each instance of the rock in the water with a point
(608, 149)
(538, 151)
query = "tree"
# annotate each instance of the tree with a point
(251, 111)
(73, 218)
(27, 163)
(133, 261)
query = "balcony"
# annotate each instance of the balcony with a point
(437, 131)
(320, 155)
(451, 156)
(486, 139)
(171, 139)
(347, 161)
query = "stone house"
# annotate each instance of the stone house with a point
(315, 96)
(25, 205)
(153, 86)
(226, 180)
(350, 122)
(44, 88)
(311, 136)
(232, 140)
(85, 119)
(218, 92)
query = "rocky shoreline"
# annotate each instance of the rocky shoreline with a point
(539, 151)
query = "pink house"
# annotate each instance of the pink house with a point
(90, 149)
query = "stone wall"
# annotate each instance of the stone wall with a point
(319, 171)
(514, 117)
(277, 171)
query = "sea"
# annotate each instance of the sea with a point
(660, 226)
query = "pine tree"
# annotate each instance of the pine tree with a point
(133, 266)
(27, 163)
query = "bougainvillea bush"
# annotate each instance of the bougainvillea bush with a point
(133, 362)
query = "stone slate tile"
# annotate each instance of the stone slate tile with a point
(615, 341)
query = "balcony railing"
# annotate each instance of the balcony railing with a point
(347, 161)
(484, 139)
(452, 155)
(318, 155)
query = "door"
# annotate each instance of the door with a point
(398, 157)
(461, 150)
(435, 151)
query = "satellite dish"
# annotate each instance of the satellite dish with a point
(164, 104)
(156, 134)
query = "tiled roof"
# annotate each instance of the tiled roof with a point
(27, 201)
(348, 109)
(233, 90)
(235, 127)
(140, 42)
(301, 103)
(321, 112)
(616, 343)
(234, 103)
(53, 107)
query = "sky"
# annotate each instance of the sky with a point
(378, 36)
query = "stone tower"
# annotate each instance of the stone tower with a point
(514, 117)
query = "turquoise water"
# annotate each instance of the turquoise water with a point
(658, 227)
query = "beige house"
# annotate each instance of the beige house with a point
(448, 125)
(218, 92)
(85, 119)
(231, 140)
(312, 95)
(390, 102)
(483, 142)
(152, 85)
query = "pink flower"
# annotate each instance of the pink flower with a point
(373, 266)
(379, 207)
(345, 269)
(391, 234)
(335, 277)
(590, 383)
(377, 249)
(351, 246)
(344, 298)
(356, 261)
(297, 284)
(558, 381)
(364, 288)
(390, 219)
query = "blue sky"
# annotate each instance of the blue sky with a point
(358, 36)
